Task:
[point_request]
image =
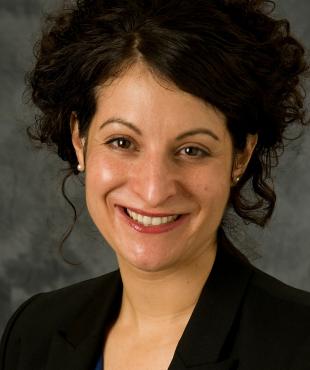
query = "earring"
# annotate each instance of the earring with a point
(80, 168)
(236, 180)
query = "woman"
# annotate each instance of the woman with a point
(170, 109)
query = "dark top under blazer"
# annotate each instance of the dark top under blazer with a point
(244, 320)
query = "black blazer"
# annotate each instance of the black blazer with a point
(244, 320)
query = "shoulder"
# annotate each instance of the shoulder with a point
(68, 300)
(267, 298)
(276, 317)
(42, 313)
(78, 293)
(268, 291)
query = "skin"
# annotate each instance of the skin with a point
(163, 274)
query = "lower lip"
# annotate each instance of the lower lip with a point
(151, 229)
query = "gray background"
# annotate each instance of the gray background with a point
(33, 215)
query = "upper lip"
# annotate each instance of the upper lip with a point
(151, 214)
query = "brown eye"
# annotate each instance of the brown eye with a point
(119, 143)
(192, 151)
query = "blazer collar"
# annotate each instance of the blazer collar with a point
(78, 343)
(204, 341)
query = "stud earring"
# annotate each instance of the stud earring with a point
(80, 168)
(236, 180)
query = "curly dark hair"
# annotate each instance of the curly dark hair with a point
(231, 53)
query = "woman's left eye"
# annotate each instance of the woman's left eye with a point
(193, 151)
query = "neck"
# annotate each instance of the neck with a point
(167, 296)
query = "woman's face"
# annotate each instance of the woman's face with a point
(156, 149)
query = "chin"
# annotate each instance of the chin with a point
(148, 263)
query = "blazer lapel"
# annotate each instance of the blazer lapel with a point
(78, 344)
(206, 343)
(64, 356)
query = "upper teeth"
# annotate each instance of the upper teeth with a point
(146, 220)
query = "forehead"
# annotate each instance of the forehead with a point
(139, 95)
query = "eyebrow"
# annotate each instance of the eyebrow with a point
(138, 131)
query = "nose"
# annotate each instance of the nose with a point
(154, 180)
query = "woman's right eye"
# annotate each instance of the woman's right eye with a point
(119, 143)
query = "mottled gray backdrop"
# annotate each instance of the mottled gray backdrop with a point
(33, 215)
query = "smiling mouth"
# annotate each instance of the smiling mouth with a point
(150, 221)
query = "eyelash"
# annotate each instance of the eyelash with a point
(110, 142)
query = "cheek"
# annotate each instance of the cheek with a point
(213, 186)
(102, 175)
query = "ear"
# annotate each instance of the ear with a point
(242, 158)
(77, 141)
